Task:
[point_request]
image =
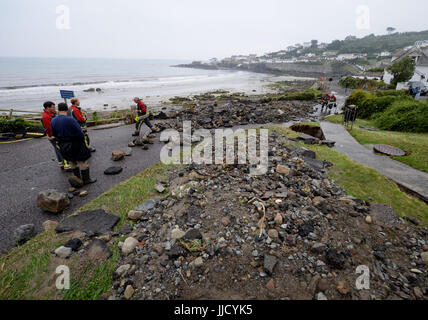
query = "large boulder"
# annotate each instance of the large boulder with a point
(52, 201)
(24, 233)
(117, 155)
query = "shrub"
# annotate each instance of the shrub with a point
(357, 97)
(374, 105)
(15, 125)
(307, 95)
(404, 115)
(356, 83)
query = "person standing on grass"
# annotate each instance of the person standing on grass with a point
(417, 93)
(71, 141)
(47, 116)
(76, 112)
(142, 117)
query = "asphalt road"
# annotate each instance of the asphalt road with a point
(28, 167)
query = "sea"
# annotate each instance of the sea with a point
(26, 83)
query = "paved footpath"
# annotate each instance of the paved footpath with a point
(410, 178)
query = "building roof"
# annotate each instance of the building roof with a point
(422, 56)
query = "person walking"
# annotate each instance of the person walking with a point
(47, 116)
(417, 93)
(142, 117)
(71, 141)
(76, 112)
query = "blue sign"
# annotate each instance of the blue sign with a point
(65, 94)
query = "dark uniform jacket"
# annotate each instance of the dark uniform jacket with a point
(70, 138)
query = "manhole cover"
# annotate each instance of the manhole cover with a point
(389, 150)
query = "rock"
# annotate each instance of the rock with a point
(225, 221)
(63, 252)
(412, 220)
(84, 193)
(146, 206)
(321, 296)
(24, 233)
(177, 234)
(160, 188)
(271, 285)
(269, 264)
(278, 219)
(49, 225)
(283, 169)
(322, 285)
(128, 152)
(98, 250)
(129, 245)
(306, 228)
(369, 220)
(318, 247)
(303, 152)
(74, 244)
(117, 155)
(328, 143)
(129, 292)
(307, 139)
(176, 251)
(96, 222)
(424, 257)
(135, 215)
(113, 171)
(272, 233)
(52, 201)
(193, 234)
(383, 214)
(317, 201)
(335, 259)
(343, 287)
(198, 262)
(125, 230)
(122, 269)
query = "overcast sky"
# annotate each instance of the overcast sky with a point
(191, 29)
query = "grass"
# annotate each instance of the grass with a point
(24, 270)
(366, 183)
(415, 144)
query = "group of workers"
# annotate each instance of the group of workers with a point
(329, 101)
(68, 134)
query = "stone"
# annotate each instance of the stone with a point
(113, 171)
(122, 269)
(96, 222)
(318, 247)
(383, 214)
(177, 234)
(225, 221)
(343, 287)
(98, 250)
(129, 292)
(278, 219)
(369, 220)
(269, 263)
(160, 188)
(129, 245)
(303, 152)
(24, 233)
(283, 169)
(117, 155)
(271, 285)
(193, 234)
(322, 285)
(49, 225)
(317, 201)
(198, 262)
(63, 252)
(52, 201)
(127, 151)
(146, 206)
(335, 259)
(412, 220)
(74, 244)
(272, 233)
(135, 215)
(176, 251)
(83, 193)
(321, 296)
(424, 257)
(328, 143)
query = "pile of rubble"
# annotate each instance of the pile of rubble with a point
(220, 233)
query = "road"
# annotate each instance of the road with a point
(28, 167)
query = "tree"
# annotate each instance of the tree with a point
(390, 30)
(402, 70)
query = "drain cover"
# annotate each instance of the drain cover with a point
(389, 150)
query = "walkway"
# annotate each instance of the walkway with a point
(412, 179)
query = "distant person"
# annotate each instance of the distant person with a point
(325, 101)
(76, 112)
(48, 114)
(142, 117)
(417, 93)
(71, 141)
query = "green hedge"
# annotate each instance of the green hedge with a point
(307, 95)
(405, 116)
(16, 125)
(355, 83)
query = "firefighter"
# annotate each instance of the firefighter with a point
(332, 102)
(142, 117)
(48, 115)
(325, 101)
(76, 112)
(71, 141)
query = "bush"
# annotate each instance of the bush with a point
(356, 83)
(404, 115)
(374, 105)
(357, 97)
(307, 95)
(16, 125)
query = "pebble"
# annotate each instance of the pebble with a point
(129, 245)
(129, 292)
(369, 220)
(63, 252)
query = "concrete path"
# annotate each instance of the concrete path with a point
(412, 179)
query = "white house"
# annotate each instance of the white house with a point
(347, 56)
(421, 58)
